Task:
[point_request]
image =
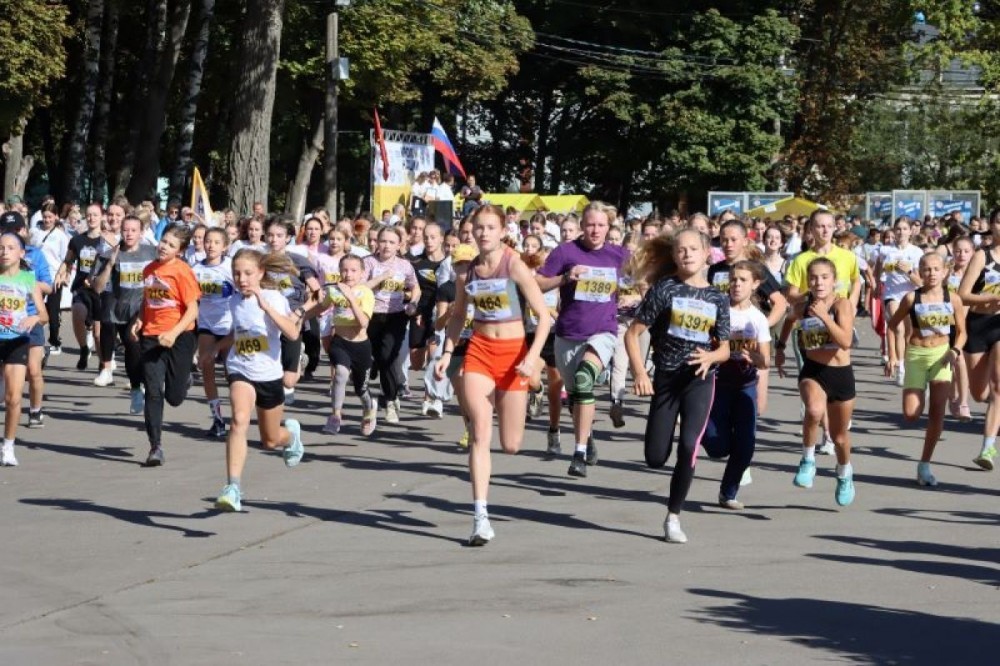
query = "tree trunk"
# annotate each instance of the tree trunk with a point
(139, 81)
(555, 182)
(147, 159)
(303, 174)
(250, 151)
(185, 137)
(49, 147)
(544, 125)
(102, 119)
(77, 155)
(18, 165)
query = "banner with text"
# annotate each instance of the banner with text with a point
(409, 153)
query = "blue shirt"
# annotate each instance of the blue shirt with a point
(36, 261)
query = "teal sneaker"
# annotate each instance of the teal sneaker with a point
(845, 490)
(294, 451)
(985, 459)
(229, 500)
(807, 472)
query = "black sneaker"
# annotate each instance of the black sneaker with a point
(84, 357)
(155, 457)
(591, 451)
(218, 429)
(617, 414)
(36, 419)
(579, 465)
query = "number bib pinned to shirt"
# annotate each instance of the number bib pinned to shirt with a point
(691, 319)
(721, 281)
(490, 299)
(816, 335)
(13, 308)
(248, 343)
(596, 285)
(130, 274)
(934, 318)
(992, 283)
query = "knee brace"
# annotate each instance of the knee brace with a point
(583, 380)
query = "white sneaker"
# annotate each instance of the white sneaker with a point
(924, 476)
(482, 531)
(55, 351)
(7, 458)
(104, 378)
(746, 479)
(900, 376)
(391, 413)
(436, 409)
(424, 407)
(90, 341)
(672, 530)
(114, 364)
(827, 448)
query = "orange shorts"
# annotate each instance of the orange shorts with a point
(497, 359)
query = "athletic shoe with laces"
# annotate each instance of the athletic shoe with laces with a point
(137, 402)
(218, 429)
(36, 419)
(672, 532)
(924, 476)
(554, 446)
(827, 448)
(482, 531)
(332, 426)
(845, 490)
(294, 451)
(901, 376)
(369, 421)
(7, 457)
(964, 414)
(155, 457)
(230, 499)
(591, 451)
(81, 364)
(806, 473)
(436, 409)
(578, 466)
(617, 414)
(55, 350)
(424, 406)
(391, 414)
(104, 378)
(731, 504)
(985, 458)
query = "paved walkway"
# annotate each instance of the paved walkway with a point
(356, 556)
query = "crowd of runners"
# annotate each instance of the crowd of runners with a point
(510, 318)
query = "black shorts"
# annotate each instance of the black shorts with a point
(91, 301)
(205, 331)
(291, 352)
(982, 332)
(357, 356)
(269, 394)
(423, 335)
(548, 354)
(836, 382)
(15, 350)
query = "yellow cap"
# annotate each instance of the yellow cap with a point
(464, 252)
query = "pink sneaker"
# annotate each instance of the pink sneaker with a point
(332, 426)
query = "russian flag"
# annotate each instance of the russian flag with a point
(443, 146)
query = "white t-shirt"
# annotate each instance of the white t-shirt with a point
(53, 245)
(748, 324)
(256, 350)
(217, 288)
(444, 192)
(240, 244)
(896, 283)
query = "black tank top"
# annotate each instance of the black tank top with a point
(990, 266)
(934, 321)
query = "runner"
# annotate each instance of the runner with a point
(81, 255)
(587, 272)
(251, 236)
(312, 246)
(421, 338)
(896, 269)
(936, 339)
(684, 316)
(732, 426)
(51, 237)
(497, 363)
(122, 269)
(262, 320)
(215, 279)
(165, 332)
(962, 250)
(18, 287)
(826, 381)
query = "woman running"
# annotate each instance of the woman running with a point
(261, 318)
(962, 250)
(774, 259)
(896, 269)
(53, 240)
(215, 277)
(980, 289)
(312, 246)
(826, 380)
(498, 363)
(251, 236)
(732, 426)
(688, 321)
(936, 339)
(122, 269)
(17, 288)
(327, 265)
(165, 332)
(421, 339)
(534, 256)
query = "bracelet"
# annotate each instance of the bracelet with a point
(447, 351)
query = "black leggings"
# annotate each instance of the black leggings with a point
(133, 364)
(386, 332)
(678, 393)
(165, 373)
(53, 305)
(311, 345)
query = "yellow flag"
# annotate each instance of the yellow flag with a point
(199, 200)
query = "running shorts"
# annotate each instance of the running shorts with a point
(925, 365)
(497, 359)
(836, 381)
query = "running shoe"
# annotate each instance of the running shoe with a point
(294, 451)
(218, 429)
(436, 409)
(924, 476)
(104, 378)
(746, 479)
(463, 441)
(7, 457)
(554, 447)
(391, 413)
(953, 407)
(807, 472)
(369, 421)
(289, 397)
(424, 406)
(964, 414)
(731, 504)
(535, 403)
(405, 393)
(827, 448)
(55, 350)
(332, 426)
(617, 414)
(578, 466)
(36, 419)
(591, 451)
(155, 457)
(90, 340)
(482, 531)
(985, 458)
(138, 402)
(672, 532)
(84, 357)
(229, 500)
(845, 490)
(901, 376)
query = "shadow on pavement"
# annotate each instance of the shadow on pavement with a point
(120, 454)
(136, 517)
(959, 517)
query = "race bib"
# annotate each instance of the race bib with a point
(954, 281)
(815, 334)
(934, 318)
(331, 278)
(248, 344)
(691, 319)
(393, 283)
(992, 285)
(157, 293)
(596, 285)
(130, 274)
(87, 256)
(721, 281)
(742, 340)
(13, 308)
(890, 261)
(490, 299)
(470, 317)
(211, 289)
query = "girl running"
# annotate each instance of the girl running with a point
(251, 236)
(938, 334)
(896, 269)
(732, 426)
(421, 339)
(535, 259)
(313, 248)
(686, 318)
(215, 277)
(261, 318)
(327, 267)
(826, 380)
(962, 250)
(498, 363)
(18, 287)
(165, 332)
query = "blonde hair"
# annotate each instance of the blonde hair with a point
(272, 263)
(654, 259)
